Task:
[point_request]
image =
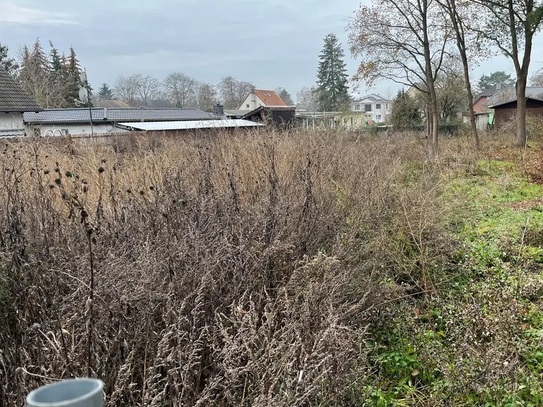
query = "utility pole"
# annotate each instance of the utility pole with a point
(84, 95)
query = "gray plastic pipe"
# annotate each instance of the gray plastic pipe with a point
(68, 393)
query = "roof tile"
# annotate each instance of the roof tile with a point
(115, 115)
(269, 97)
(12, 97)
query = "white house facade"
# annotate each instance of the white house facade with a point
(374, 107)
(11, 124)
(14, 101)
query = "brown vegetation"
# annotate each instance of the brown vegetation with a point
(230, 270)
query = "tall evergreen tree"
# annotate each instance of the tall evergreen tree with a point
(405, 113)
(54, 59)
(6, 62)
(35, 74)
(105, 92)
(53, 79)
(285, 96)
(495, 78)
(73, 81)
(58, 75)
(332, 88)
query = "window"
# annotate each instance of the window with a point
(367, 108)
(247, 105)
(378, 118)
(357, 107)
(378, 106)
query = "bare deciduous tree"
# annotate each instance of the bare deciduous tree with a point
(511, 26)
(181, 89)
(537, 78)
(233, 92)
(207, 96)
(126, 88)
(404, 41)
(306, 99)
(462, 15)
(452, 95)
(148, 88)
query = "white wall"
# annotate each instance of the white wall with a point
(251, 102)
(80, 129)
(380, 109)
(11, 123)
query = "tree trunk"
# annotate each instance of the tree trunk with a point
(472, 122)
(434, 117)
(458, 26)
(471, 112)
(521, 111)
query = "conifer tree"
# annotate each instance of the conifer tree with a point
(73, 82)
(405, 113)
(332, 88)
(58, 79)
(35, 74)
(52, 80)
(55, 61)
(6, 62)
(105, 92)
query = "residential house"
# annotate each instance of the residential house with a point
(479, 102)
(373, 106)
(261, 97)
(266, 107)
(77, 122)
(14, 101)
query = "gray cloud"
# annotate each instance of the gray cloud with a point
(13, 13)
(272, 43)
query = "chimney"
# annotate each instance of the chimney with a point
(218, 109)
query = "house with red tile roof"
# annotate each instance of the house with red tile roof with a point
(262, 98)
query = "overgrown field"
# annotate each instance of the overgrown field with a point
(276, 269)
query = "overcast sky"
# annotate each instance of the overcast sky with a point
(271, 43)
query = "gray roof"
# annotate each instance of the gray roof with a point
(236, 112)
(491, 91)
(509, 94)
(372, 96)
(538, 99)
(12, 97)
(113, 115)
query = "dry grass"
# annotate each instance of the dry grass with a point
(227, 270)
